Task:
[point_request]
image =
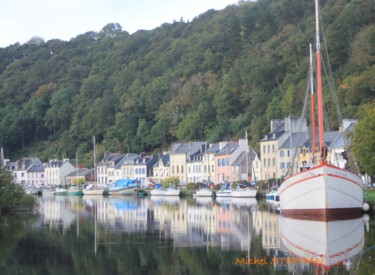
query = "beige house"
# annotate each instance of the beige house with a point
(277, 147)
(161, 168)
(179, 156)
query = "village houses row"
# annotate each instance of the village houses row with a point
(197, 161)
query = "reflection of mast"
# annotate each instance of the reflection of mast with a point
(95, 227)
(77, 216)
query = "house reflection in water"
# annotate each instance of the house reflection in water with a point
(230, 224)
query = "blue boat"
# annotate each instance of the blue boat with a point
(124, 187)
(272, 196)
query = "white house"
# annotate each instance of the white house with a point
(57, 170)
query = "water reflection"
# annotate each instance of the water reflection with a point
(325, 244)
(173, 231)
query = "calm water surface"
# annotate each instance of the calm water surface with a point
(156, 235)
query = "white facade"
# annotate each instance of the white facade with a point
(57, 170)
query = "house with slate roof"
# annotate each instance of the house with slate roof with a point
(57, 170)
(21, 167)
(161, 168)
(246, 167)
(273, 155)
(109, 169)
(208, 162)
(179, 156)
(35, 175)
(225, 159)
(139, 168)
(79, 176)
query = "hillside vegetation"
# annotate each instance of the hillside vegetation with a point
(211, 79)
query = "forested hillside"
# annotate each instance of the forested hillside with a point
(209, 79)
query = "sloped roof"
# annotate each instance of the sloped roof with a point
(82, 172)
(228, 149)
(342, 138)
(36, 168)
(190, 148)
(25, 163)
(294, 140)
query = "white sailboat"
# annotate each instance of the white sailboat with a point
(93, 189)
(323, 244)
(323, 192)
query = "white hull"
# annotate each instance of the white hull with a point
(204, 193)
(244, 193)
(323, 190)
(224, 193)
(157, 192)
(327, 244)
(172, 192)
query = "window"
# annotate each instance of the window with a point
(219, 162)
(273, 162)
(288, 153)
(264, 149)
(227, 162)
(269, 149)
(282, 165)
(282, 153)
(273, 148)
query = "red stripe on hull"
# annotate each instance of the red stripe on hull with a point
(331, 214)
(299, 181)
(344, 178)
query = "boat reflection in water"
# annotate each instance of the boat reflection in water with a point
(321, 245)
(222, 224)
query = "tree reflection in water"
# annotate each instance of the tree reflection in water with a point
(126, 235)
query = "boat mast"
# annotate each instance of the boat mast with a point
(94, 141)
(313, 122)
(319, 82)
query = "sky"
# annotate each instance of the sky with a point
(20, 20)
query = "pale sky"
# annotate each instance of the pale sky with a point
(20, 20)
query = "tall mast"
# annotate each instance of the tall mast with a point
(319, 81)
(1, 157)
(77, 168)
(247, 158)
(94, 159)
(313, 122)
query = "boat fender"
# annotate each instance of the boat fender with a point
(365, 207)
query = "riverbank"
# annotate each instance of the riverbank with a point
(370, 196)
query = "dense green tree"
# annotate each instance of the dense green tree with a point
(211, 78)
(363, 139)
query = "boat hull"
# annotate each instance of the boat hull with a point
(225, 193)
(61, 192)
(123, 190)
(324, 192)
(325, 244)
(204, 193)
(157, 192)
(172, 192)
(245, 193)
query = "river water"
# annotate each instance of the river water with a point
(160, 235)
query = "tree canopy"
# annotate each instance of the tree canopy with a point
(213, 78)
